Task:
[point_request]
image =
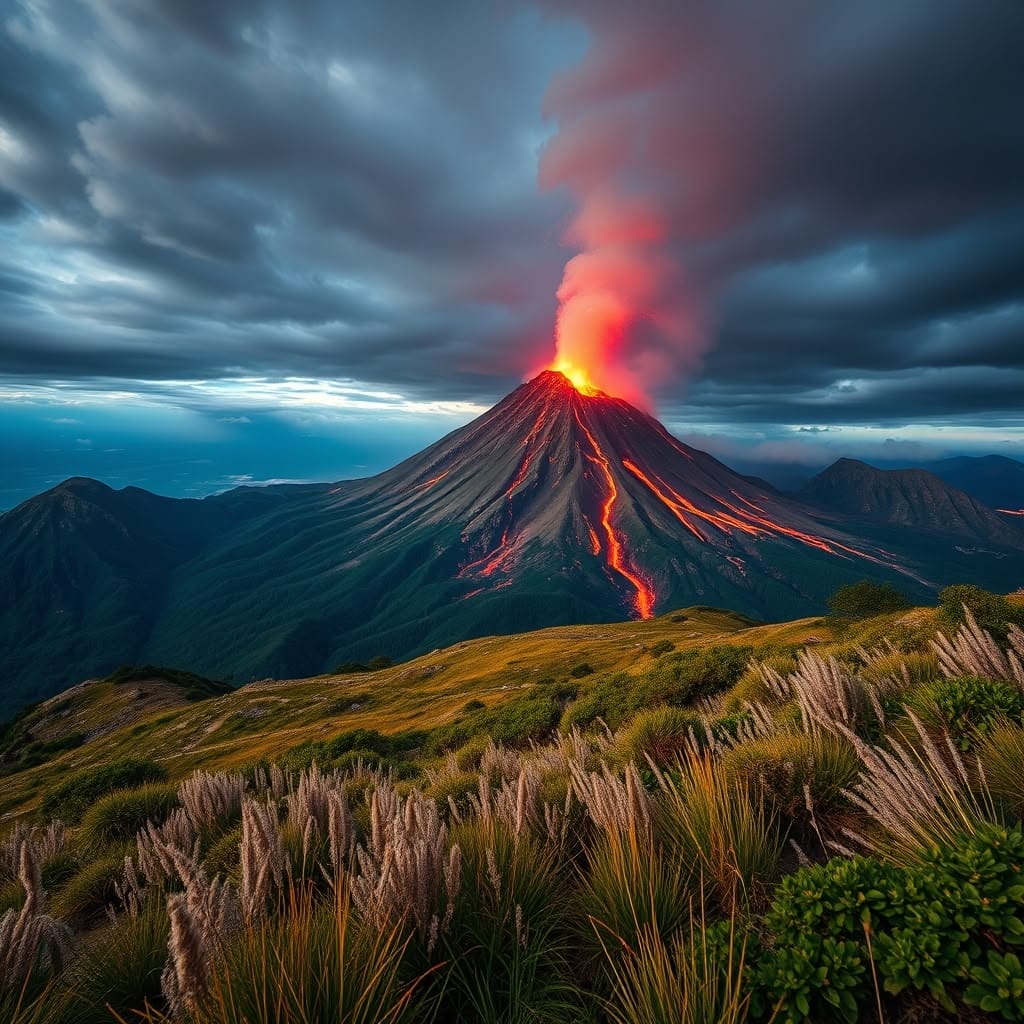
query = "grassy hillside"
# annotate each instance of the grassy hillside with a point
(692, 819)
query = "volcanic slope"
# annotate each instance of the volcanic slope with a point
(553, 507)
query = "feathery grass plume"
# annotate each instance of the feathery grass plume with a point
(409, 863)
(1001, 755)
(715, 823)
(160, 849)
(613, 803)
(310, 964)
(203, 918)
(497, 762)
(211, 798)
(262, 856)
(829, 696)
(919, 799)
(46, 841)
(312, 798)
(30, 939)
(694, 978)
(272, 781)
(974, 651)
(515, 803)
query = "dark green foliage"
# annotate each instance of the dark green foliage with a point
(120, 967)
(58, 870)
(998, 987)
(347, 747)
(25, 752)
(85, 898)
(473, 705)
(969, 706)
(662, 647)
(582, 670)
(347, 668)
(116, 817)
(991, 611)
(930, 927)
(863, 599)
(529, 715)
(70, 800)
(679, 679)
(195, 687)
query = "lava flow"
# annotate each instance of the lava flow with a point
(1011, 511)
(643, 602)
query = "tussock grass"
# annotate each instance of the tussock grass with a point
(728, 833)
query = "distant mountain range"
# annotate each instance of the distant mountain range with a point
(993, 479)
(554, 507)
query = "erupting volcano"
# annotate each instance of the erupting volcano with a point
(562, 504)
(564, 480)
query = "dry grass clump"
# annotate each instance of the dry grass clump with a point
(30, 939)
(212, 799)
(918, 797)
(1001, 755)
(973, 651)
(408, 873)
(696, 977)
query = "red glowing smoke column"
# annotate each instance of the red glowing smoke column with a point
(626, 320)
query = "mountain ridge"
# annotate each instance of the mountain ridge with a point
(553, 507)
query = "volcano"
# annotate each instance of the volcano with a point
(560, 505)
(556, 479)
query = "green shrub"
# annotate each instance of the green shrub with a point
(969, 706)
(613, 699)
(680, 679)
(864, 599)
(70, 800)
(529, 715)
(458, 787)
(84, 899)
(931, 927)
(991, 611)
(582, 670)
(118, 816)
(998, 987)
(661, 647)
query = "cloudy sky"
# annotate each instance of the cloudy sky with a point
(258, 239)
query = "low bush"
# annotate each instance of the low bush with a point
(70, 800)
(85, 897)
(118, 816)
(969, 706)
(661, 734)
(928, 929)
(790, 768)
(865, 599)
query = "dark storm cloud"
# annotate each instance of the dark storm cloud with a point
(350, 190)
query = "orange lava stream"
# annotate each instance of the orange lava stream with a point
(678, 504)
(433, 480)
(1011, 511)
(645, 596)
